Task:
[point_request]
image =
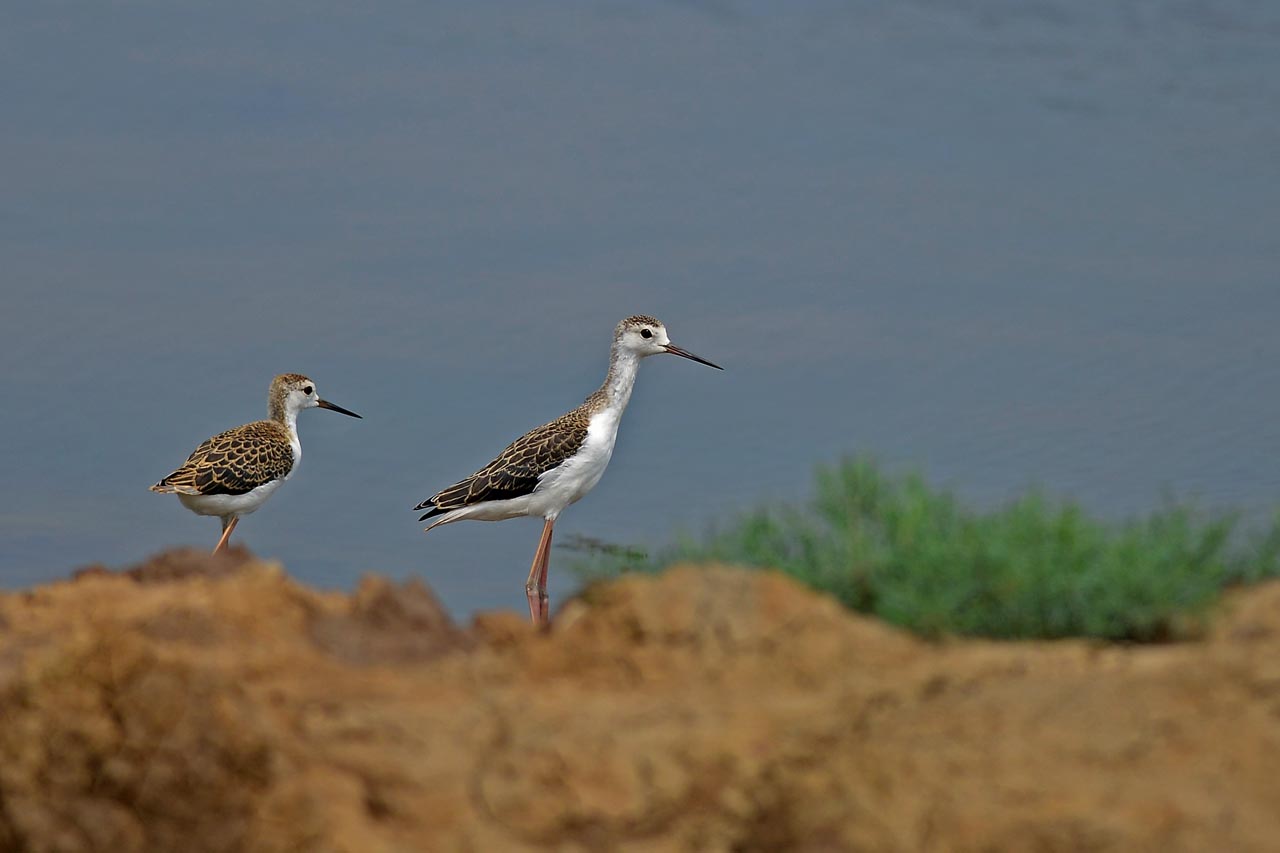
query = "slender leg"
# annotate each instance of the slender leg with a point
(543, 598)
(227, 527)
(535, 587)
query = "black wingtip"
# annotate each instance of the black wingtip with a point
(434, 511)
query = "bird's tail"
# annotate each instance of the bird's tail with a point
(165, 487)
(434, 510)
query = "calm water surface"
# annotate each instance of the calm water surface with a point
(1009, 243)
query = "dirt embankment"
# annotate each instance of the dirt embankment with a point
(213, 704)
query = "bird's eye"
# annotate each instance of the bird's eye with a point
(308, 390)
(645, 333)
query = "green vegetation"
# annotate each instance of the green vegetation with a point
(914, 555)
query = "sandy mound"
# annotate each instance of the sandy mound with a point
(213, 704)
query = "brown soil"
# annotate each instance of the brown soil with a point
(202, 704)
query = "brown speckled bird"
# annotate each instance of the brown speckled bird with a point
(555, 465)
(233, 473)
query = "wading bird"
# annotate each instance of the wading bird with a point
(233, 473)
(548, 468)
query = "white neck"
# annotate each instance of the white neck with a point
(623, 366)
(291, 424)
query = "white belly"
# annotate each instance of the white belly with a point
(224, 505)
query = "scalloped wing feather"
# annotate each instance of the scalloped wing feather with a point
(233, 462)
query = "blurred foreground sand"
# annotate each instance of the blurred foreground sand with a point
(203, 704)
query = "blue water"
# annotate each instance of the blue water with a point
(1006, 242)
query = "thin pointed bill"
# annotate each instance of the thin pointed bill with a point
(325, 404)
(684, 353)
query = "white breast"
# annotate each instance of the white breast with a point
(568, 482)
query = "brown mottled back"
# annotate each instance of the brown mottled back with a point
(234, 462)
(516, 469)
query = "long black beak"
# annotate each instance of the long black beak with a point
(325, 404)
(675, 350)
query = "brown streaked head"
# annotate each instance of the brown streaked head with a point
(645, 336)
(293, 392)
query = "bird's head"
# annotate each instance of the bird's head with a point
(293, 392)
(645, 336)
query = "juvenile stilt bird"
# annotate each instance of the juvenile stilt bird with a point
(233, 473)
(548, 468)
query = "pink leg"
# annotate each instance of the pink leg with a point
(226, 533)
(535, 588)
(543, 598)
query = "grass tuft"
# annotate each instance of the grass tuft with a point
(914, 555)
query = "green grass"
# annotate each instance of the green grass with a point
(914, 555)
